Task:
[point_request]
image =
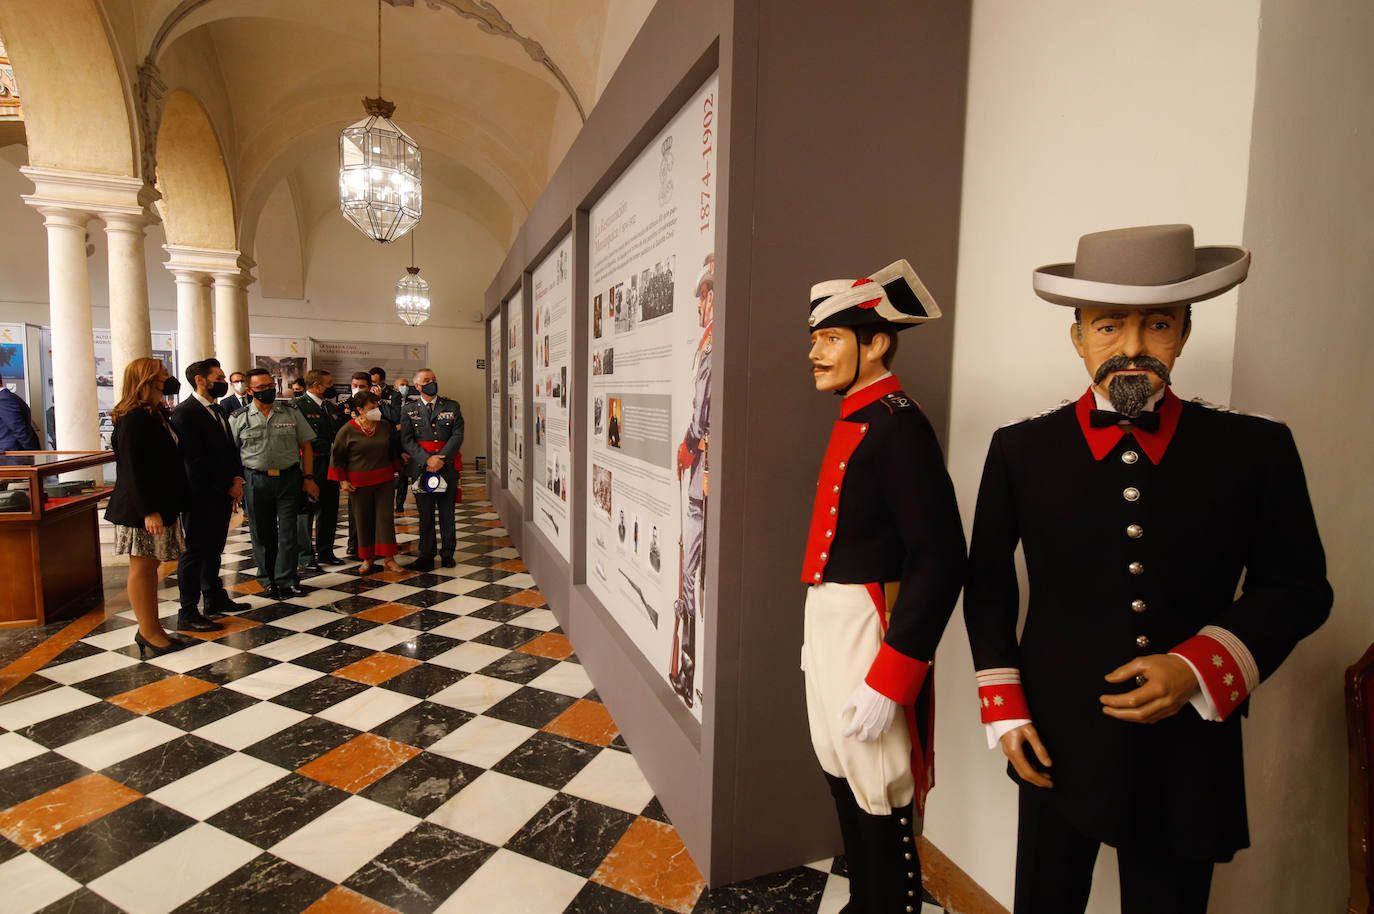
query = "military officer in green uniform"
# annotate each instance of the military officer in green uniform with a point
(272, 439)
(319, 409)
(432, 433)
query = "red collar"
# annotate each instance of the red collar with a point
(1154, 444)
(869, 395)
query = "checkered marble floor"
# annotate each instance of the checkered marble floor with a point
(397, 742)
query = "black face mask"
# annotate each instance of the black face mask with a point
(265, 396)
(218, 389)
(431, 389)
(330, 392)
(171, 387)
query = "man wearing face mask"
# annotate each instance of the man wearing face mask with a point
(405, 394)
(273, 438)
(319, 409)
(238, 394)
(432, 433)
(214, 484)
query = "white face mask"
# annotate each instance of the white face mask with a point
(403, 389)
(240, 387)
(373, 415)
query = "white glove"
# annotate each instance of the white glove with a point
(873, 713)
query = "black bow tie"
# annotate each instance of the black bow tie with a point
(1102, 418)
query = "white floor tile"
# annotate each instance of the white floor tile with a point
(469, 657)
(218, 785)
(493, 807)
(25, 711)
(482, 741)
(328, 579)
(543, 889)
(465, 627)
(369, 708)
(390, 592)
(274, 680)
(178, 869)
(835, 896)
(565, 679)
(31, 884)
(292, 646)
(15, 749)
(540, 619)
(519, 579)
(612, 779)
(461, 585)
(381, 637)
(343, 839)
(475, 693)
(256, 722)
(87, 667)
(190, 658)
(111, 641)
(319, 597)
(506, 552)
(119, 742)
(304, 621)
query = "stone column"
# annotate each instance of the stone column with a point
(194, 326)
(231, 321)
(130, 330)
(73, 350)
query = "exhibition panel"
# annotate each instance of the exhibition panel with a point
(552, 379)
(515, 397)
(495, 450)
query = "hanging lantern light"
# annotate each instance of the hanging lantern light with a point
(412, 294)
(379, 168)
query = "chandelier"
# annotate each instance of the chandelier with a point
(379, 168)
(412, 294)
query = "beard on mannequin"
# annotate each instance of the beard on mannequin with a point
(1130, 392)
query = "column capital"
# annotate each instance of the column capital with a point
(87, 192)
(204, 262)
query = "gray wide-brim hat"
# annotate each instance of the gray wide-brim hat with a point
(1147, 266)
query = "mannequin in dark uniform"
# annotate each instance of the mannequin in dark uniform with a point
(1139, 514)
(432, 433)
(884, 562)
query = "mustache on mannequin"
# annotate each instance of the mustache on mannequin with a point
(1122, 362)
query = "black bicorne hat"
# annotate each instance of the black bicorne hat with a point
(891, 299)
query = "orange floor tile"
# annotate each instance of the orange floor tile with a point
(51, 815)
(387, 612)
(161, 694)
(586, 721)
(359, 762)
(650, 862)
(550, 644)
(529, 597)
(377, 669)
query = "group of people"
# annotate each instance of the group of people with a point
(1117, 694)
(181, 473)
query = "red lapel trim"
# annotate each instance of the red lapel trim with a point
(1154, 444)
(869, 395)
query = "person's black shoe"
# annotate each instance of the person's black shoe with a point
(290, 590)
(211, 614)
(421, 565)
(147, 647)
(448, 562)
(195, 622)
(329, 558)
(313, 567)
(226, 605)
(352, 555)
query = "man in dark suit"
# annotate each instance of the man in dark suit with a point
(1139, 515)
(214, 484)
(432, 433)
(319, 409)
(16, 423)
(392, 400)
(238, 394)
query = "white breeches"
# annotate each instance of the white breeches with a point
(842, 636)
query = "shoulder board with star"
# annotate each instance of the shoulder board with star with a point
(1040, 415)
(1218, 408)
(898, 402)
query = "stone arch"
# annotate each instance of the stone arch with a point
(76, 114)
(197, 201)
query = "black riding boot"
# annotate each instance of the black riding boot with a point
(892, 868)
(847, 809)
(686, 660)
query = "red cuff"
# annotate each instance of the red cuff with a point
(896, 675)
(1000, 696)
(1224, 664)
(384, 550)
(338, 474)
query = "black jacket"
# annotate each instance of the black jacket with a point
(444, 436)
(326, 419)
(1127, 557)
(151, 477)
(234, 403)
(211, 459)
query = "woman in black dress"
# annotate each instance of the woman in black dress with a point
(149, 494)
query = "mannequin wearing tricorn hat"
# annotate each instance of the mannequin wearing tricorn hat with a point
(883, 565)
(1138, 515)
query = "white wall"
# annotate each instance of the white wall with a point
(1081, 117)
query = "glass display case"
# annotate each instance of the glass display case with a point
(49, 534)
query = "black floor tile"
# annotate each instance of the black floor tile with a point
(798, 889)
(571, 833)
(424, 619)
(598, 899)
(547, 759)
(426, 580)
(75, 725)
(271, 612)
(356, 603)
(232, 668)
(265, 883)
(77, 651)
(499, 612)
(493, 592)
(8, 849)
(39, 774)
(419, 871)
(422, 725)
(508, 636)
(345, 627)
(424, 680)
(530, 707)
(315, 696)
(334, 657)
(82, 901)
(425, 597)
(205, 708)
(278, 810)
(113, 839)
(29, 685)
(355, 587)
(518, 667)
(422, 784)
(301, 743)
(161, 765)
(655, 811)
(257, 636)
(424, 646)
